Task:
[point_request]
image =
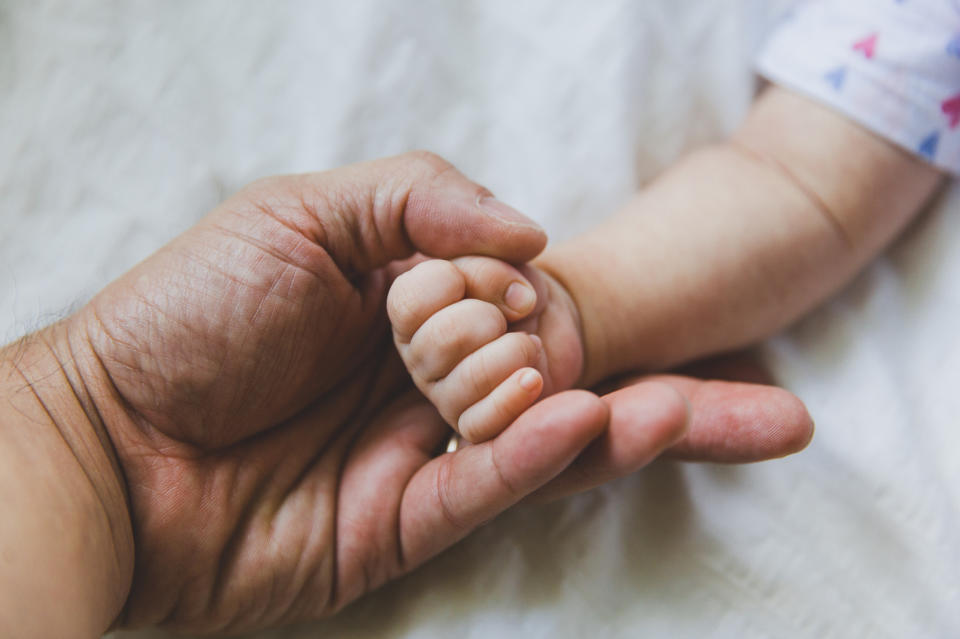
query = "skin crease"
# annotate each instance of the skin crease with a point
(224, 439)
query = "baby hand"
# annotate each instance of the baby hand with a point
(483, 339)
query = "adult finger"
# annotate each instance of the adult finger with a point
(645, 419)
(454, 493)
(736, 422)
(727, 422)
(369, 214)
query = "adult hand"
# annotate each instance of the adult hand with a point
(244, 398)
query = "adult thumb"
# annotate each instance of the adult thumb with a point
(369, 214)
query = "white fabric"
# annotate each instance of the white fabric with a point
(891, 65)
(122, 123)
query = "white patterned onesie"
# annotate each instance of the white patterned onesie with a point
(891, 65)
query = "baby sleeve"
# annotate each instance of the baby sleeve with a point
(891, 65)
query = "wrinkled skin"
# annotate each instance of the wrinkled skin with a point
(277, 460)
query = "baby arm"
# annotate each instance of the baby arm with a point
(728, 246)
(736, 241)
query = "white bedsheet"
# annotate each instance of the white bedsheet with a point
(123, 122)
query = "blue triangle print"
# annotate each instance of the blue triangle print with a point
(928, 148)
(953, 47)
(836, 77)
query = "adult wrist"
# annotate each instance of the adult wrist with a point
(69, 535)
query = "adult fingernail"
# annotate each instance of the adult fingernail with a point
(520, 297)
(492, 206)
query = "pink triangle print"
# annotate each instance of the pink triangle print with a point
(867, 45)
(951, 108)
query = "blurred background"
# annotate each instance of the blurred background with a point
(122, 123)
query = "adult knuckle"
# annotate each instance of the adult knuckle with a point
(445, 494)
(427, 160)
(507, 484)
(266, 184)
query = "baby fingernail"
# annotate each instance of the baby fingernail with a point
(498, 209)
(529, 380)
(537, 341)
(520, 297)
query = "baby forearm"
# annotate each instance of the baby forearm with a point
(710, 257)
(737, 240)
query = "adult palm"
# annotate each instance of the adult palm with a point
(278, 462)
